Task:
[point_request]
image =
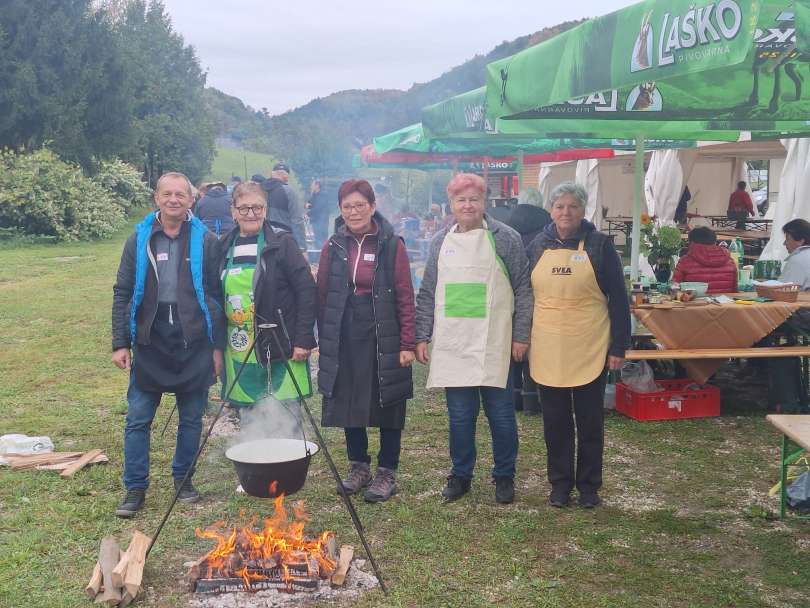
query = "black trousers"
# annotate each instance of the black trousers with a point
(587, 403)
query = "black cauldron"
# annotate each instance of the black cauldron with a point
(262, 462)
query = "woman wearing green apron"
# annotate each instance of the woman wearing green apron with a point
(263, 273)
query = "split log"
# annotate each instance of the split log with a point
(20, 463)
(120, 570)
(331, 548)
(94, 586)
(137, 556)
(83, 461)
(61, 466)
(346, 555)
(126, 600)
(108, 557)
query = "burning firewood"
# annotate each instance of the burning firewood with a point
(118, 575)
(346, 555)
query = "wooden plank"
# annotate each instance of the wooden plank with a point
(794, 426)
(83, 461)
(718, 353)
(108, 556)
(19, 463)
(120, 571)
(94, 585)
(101, 458)
(346, 555)
(137, 556)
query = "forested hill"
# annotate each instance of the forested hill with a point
(320, 137)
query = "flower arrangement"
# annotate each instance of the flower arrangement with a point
(660, 244)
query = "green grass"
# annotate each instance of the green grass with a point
(231, 161)
(684, 522)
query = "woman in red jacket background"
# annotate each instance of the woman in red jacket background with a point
(707, 262)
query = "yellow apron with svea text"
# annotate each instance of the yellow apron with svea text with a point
(472, 328)
(571, 327)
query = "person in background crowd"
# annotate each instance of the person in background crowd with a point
(681, 211)
(796, 268)
(235, 181)
(318, 209)
(529, 219)
(283, 206)
(740, 205)
(262, 272)
(707, 262)
(581, 325)
(475, 306)
(168, 331)
(449, 219)
(500, 210)
(366, 334)
(786, 395)
(214, 208)
(258, 178)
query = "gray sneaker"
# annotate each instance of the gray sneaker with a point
(359, 476)
(383, 487)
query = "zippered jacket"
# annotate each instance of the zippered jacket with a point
(199, 290)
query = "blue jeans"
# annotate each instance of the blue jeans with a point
(462, 409)
(141, 412)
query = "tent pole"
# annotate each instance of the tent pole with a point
(637, 195)
(520, 157)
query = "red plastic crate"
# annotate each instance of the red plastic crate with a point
(674, 402)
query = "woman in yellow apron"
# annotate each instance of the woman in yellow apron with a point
(581, 324)
(263, 271)
(474, 304)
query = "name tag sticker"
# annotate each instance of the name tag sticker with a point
(578, 257)
(163, 257)
(233, 271)
(369, 257)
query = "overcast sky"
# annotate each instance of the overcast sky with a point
(280, 55)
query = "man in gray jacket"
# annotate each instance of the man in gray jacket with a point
(475, 306)
(283, 205)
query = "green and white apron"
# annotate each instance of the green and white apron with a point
(238, 288)
(472, 332)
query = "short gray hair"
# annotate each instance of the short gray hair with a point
(572, 188)
(176, 175)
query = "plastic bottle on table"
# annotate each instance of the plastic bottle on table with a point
(736, 250)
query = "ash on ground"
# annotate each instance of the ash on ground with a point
(358, 581)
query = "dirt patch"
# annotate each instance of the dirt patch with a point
(226, 426)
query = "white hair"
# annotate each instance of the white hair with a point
(572, 188)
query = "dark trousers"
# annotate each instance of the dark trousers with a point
(525, 389)
(390, 443)
(587, 403)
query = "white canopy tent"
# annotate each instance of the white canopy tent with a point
(794, 195)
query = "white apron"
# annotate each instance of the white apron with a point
(571, 326)
(472, 327)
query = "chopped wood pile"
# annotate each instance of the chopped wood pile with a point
(118, 575)
(67, 463)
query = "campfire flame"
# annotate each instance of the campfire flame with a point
(279, 547)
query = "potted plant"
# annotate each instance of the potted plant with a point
(661, 244)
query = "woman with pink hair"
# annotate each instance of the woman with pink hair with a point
(475, 307)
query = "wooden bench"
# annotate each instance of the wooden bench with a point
(718, 353)
(795, 431)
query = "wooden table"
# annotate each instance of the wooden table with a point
(703, 337)
(795, 431)
(759, 224)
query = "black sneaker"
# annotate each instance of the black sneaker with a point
(504, 490)
(558, 499)
(456, 488)
(132, 503)
(590, 500)
(188, 493)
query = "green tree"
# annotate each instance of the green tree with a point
(62, 79)
(170, 118)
